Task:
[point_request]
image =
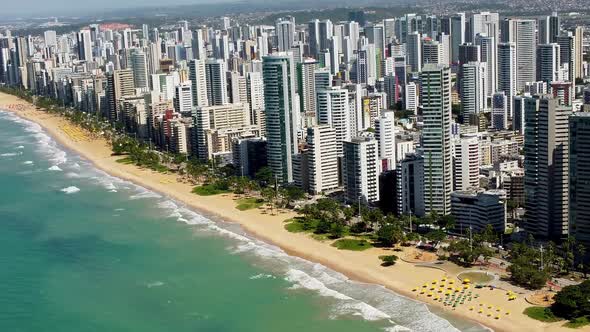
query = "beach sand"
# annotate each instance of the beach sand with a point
(362, 266)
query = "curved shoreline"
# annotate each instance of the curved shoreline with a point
(360, 266)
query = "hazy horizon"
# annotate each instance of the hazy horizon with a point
(43, 8)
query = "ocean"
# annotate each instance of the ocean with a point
(84, 251)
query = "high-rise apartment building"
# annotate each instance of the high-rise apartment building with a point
(546, 164)
(579, 177)
(84, 45)
(466, 163)
(322, 159)
(198, 78)
(216, 82)
(507, 72)
(282, 112)
(435, 95)
(333, 110)
(360, 170)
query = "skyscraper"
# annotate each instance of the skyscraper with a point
(326, 31)
(119, 84)
(410, 181)
(183, 98)
(579, 177)
(333, 110)
(281, 111)
(466, 163)
(435, 94)
(50, 38)
(523, 34)
(457, 35)
(385, 135)
(546, 164)
(489, 50)
(322, 159)
(285, 31)
(485, 23)
(507, 73)
(198, 77)
(499, 111)
(432, 52)
(548, 62)
(84, 45)
(549, 27)
(216, 82)
(473, 88)
(414, 51)
(360, 170)
(255, 92)
(140, 69)
(313, 29)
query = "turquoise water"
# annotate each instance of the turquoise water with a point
(83, 251)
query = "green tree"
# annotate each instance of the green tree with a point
(581, 253)
(435, 235)
(573, 301)
(264, 176)
(446, 222)
(525, 269)
(291, 193)
(336, 230)
(568, 253)
(390, 234)
(388, 260)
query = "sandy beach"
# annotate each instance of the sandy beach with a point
(362, 266)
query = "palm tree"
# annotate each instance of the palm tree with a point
(581, 252)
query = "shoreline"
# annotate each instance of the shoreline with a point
(358, 266)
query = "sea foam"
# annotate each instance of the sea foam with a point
(70, 190)
(10, 154)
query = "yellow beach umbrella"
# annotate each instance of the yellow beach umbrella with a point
(451, 282)
(414, 289)
(471, 308)
(466, 281)
(507, 312)
(480, 311)
(498, 317)
(434, 282)
(430, 294)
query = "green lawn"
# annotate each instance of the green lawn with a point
(249, 203)
(209, 190)
(158, 168)
(577, 323)
(295, 225)
(125, 161)
(541, 313)
(352, 244)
